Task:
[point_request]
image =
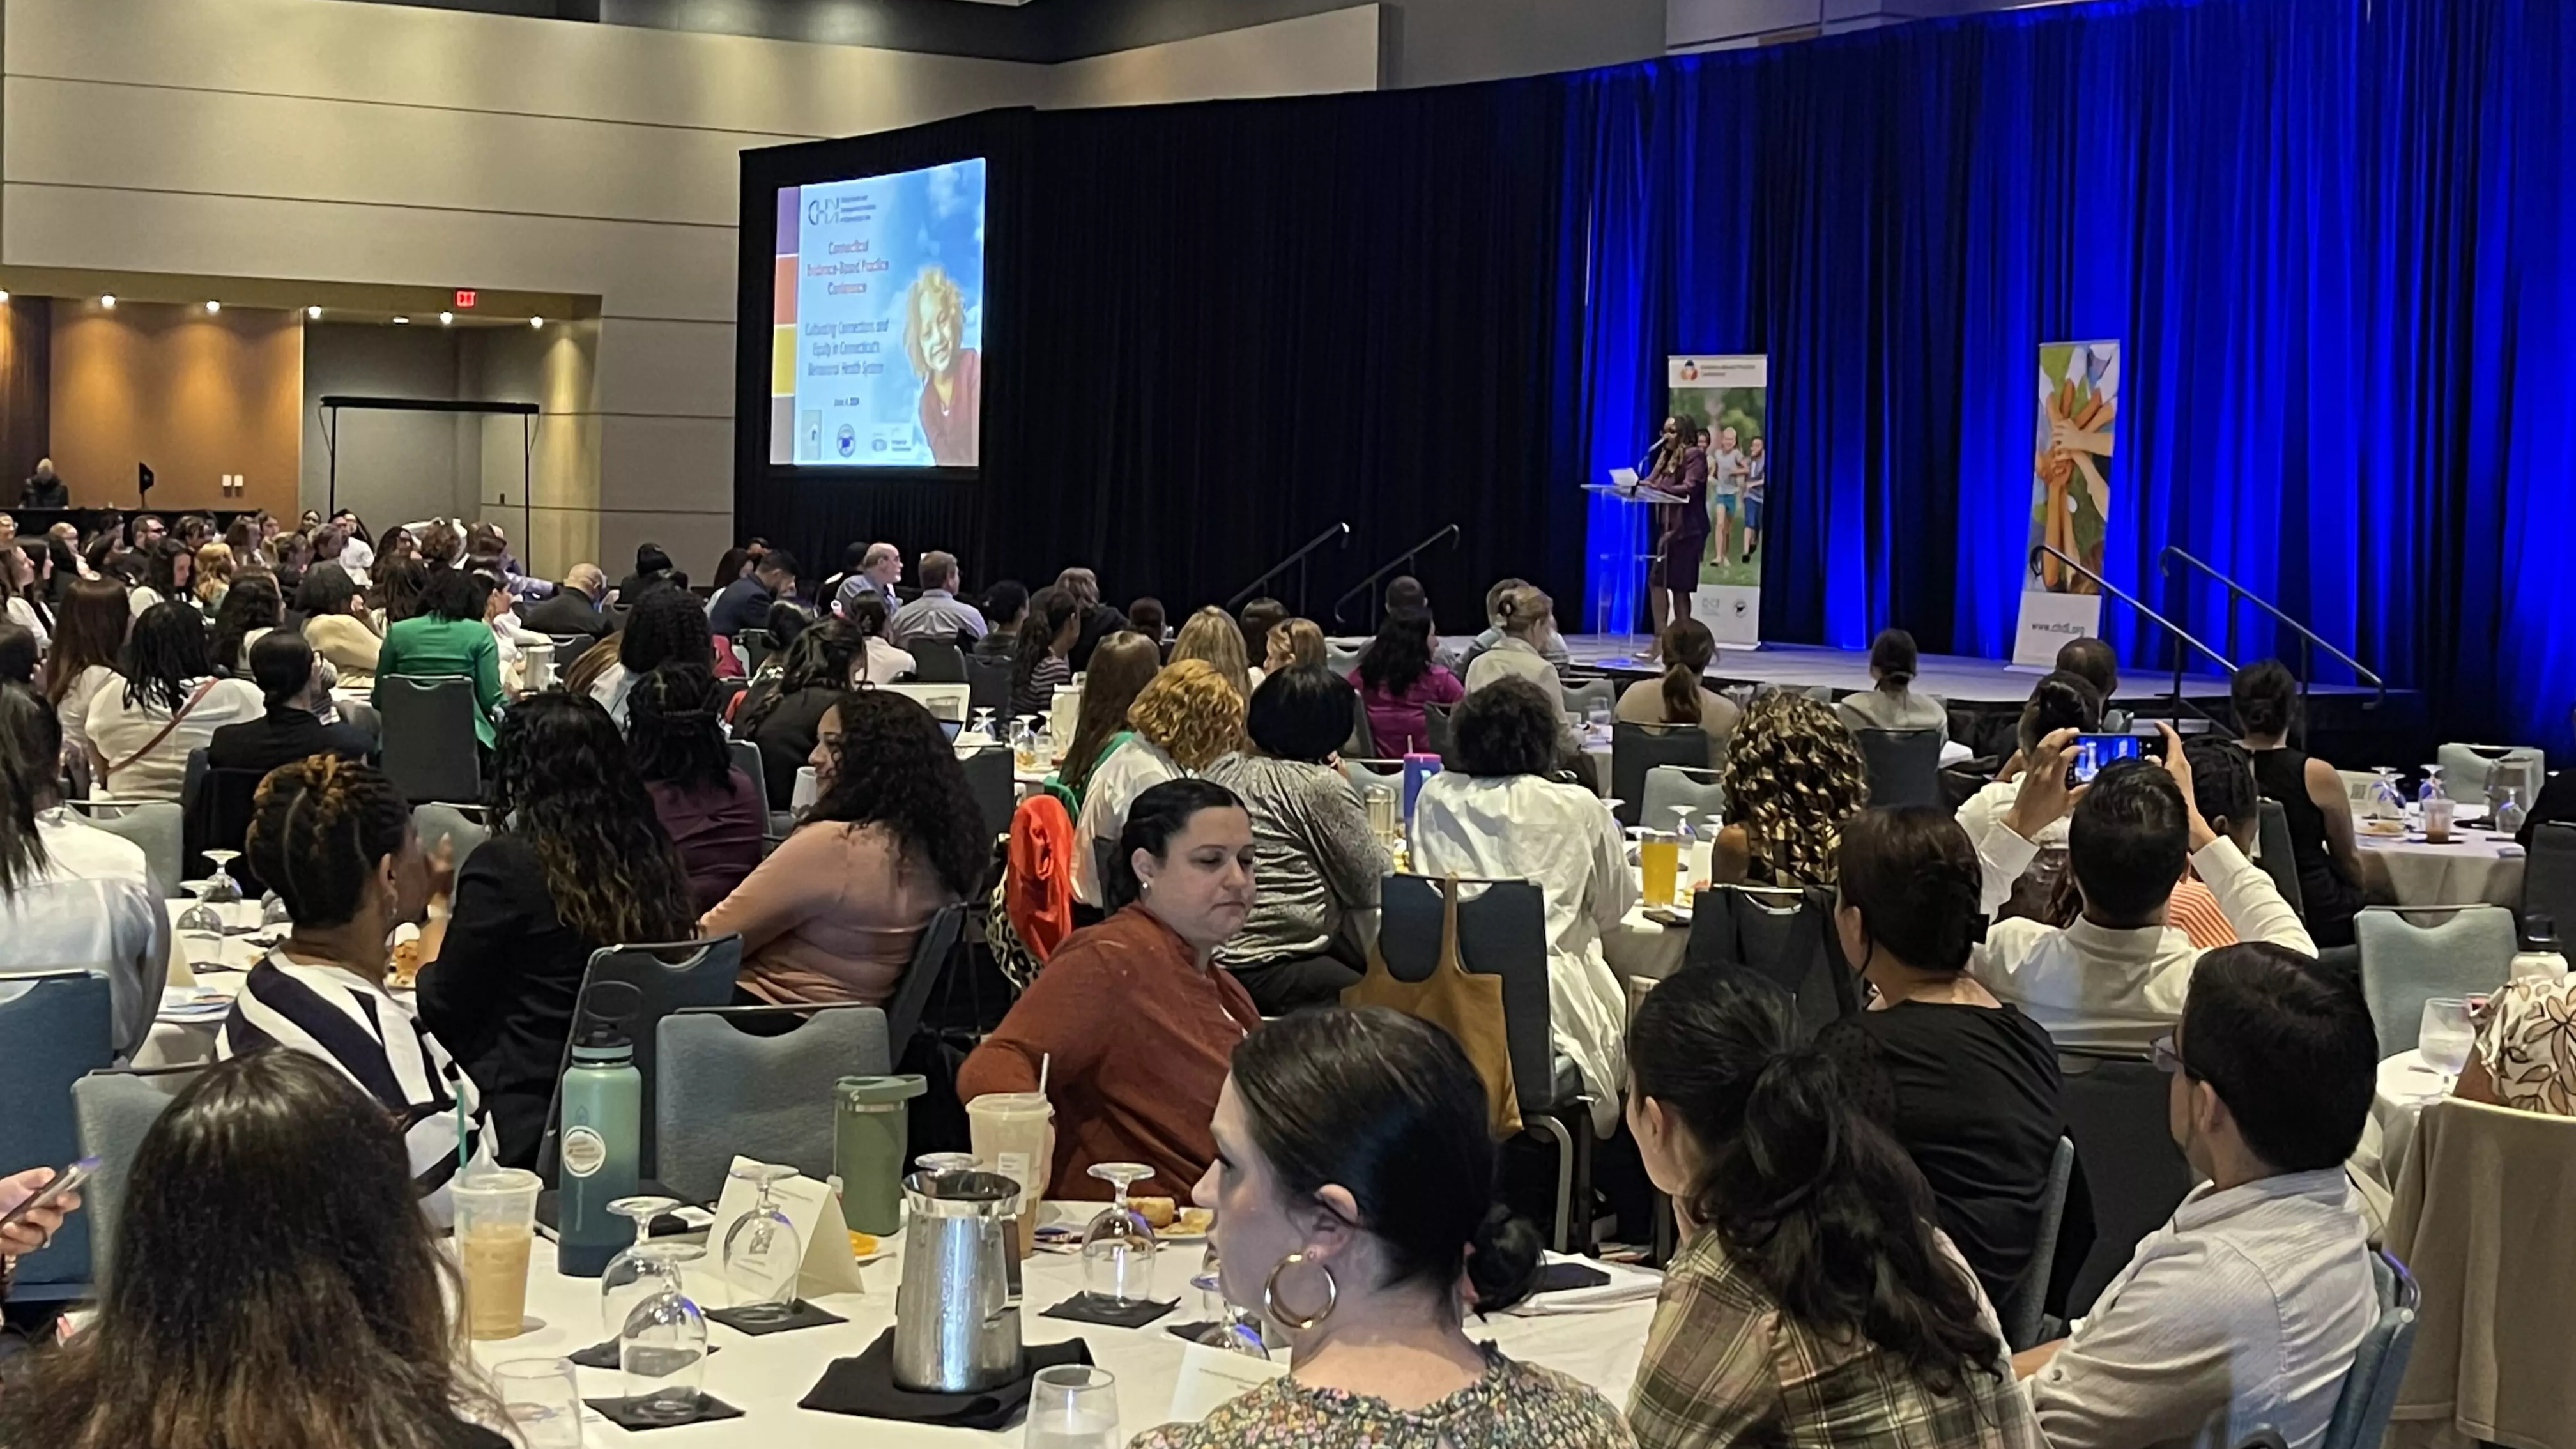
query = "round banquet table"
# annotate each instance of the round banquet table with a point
(2406, 1087)
(765, 1376)
(2476, 867)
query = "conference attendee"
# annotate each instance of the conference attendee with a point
(652, 566)
(145, 532)
(1527, 617)
(249, 547)
(2093, 661)
(786, 623)
(1146, 617)
(787, 722)
(1351, 1195)
(577, 860)
(2222, 781)
(252, 608)
(334, 839)
(1184, 721)
(880, 567)
(71, 894)
(2316, 808)
(714, 813)
(358, 552)
(1814, 1299)
(400, 545)
(2555, 804)
(2246, 1308)
(1315, 862)
(213, 576)
(834, 913)
(1398, 681)
(89, 636)
(1257, 620)
(169, 575)
(20, 655)
(1131, 1019)
(1497, 814)
(1890, 702)
(1209, 635)
(1099, 620)
(1044, 660)
(1967, 1085)
(1682, 696)
(938, 615)
(401, 591)
(44, 488)
(1682, 472)
(26, 574)
(731, 565)
(1121, 667)
(1293, 643)
(165, 699)
(271, 1241)
(744, 603)
(879, 661)
(1792, 777)
(2059, 701)
(1006, 606)
(33, 1230)
(338, 624)
(292, 555)
(575, 611)
(449, 639)
(291, 727)
(2115, 978)
(487, 548)
(666, 626)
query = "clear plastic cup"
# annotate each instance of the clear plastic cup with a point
(496, 1223)
(1014, 1135)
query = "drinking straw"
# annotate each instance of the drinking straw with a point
(1046, 1060)
(460, 1134)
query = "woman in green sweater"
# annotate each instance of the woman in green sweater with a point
(450, 638)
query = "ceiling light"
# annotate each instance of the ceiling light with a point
(314, 313)
(536, 321)
(4, 296)
(107, 300)
(446, 319)
(213, 306)
(402, 321)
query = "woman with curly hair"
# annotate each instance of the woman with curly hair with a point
(714, 812)
(578, 861)
(1792, 776)
(1185, 720)
(1211, 635)
(666, 626)
(833, 915)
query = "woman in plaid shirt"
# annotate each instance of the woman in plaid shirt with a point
(1813, 1302)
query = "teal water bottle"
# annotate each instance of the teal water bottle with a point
(603, 1120)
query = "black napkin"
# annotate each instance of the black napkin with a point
(803, 1315)
(1093, 1308)
(603, 1355)
(621, 1412)
(1185, 1332)
(865, 1386)
(1564, 1277)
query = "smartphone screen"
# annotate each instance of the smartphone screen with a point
(62, 1182)
(2092, 752)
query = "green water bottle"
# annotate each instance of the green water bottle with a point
(871, 1133)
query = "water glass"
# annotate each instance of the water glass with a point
(662, 1349)
(1118, 1247)
(2446, 1036)
(762, 1254)
(1073, 1406)
(542, 1399)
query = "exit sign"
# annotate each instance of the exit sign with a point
(464, 296)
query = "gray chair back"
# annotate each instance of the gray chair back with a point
(2272, 840)
(2549, 876)
(2465, 771)
(1783, 934)
(430, 744)
(2369, 1394)
(466, 825)
(989, 780)
(1904, 766)
(160, 828)
(1668, 786)
(1363, 772)
(1435, 729)
(2116, 1111)
(930, 958)
(113, 1110)
(667, 977)
(726, 1091)
(55, 1028)
(988, 686)
(746, 758)
(1502, 931)
(2410, 955)
(1363, 736)
(2024, 1310)
(1582, 694)
(1341, 658)
(937, 661)
(1638, 748)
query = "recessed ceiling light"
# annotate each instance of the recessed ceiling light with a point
(446, 319)
(107, 300)
(213, 306)
(313, 312)
(402, 321)
(536, 321)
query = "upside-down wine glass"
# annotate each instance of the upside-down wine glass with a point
(1118, 1247)
(662, 1345)
(227, 890)
(762, 1253)
(634, 1274)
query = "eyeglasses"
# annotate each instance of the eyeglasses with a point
(2168, 1057)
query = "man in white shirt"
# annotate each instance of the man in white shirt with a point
(2116, 978)
(937, 614)
(2245, 1310)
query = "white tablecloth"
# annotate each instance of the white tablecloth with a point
(765, 1376)
(2477, 866)
(2406, 1088)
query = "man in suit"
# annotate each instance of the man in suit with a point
(745, 602)
(292, 728)
(574, 609)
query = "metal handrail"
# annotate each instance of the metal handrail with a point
(1295, 560)
(2309, 639)
(2182, 635)
(1406, 558)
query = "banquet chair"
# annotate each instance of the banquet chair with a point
(727, 1091)
(755, 647)
(1904, 766)
(988, 686)
(1637, 748)
(55, 1028)
(989, 780)
(465, 825)
(2024, 1309)
(937, 661)
(1435, 729)
(159, 827)
(1502, 931)
(216, 806)
(2272, 847)
(696, 973)
(1363, 738)
(1340, 658)
(2369, 1393)
(2549, 876)
(1783, 934)
(1670, 786)
(1581, 694)
(430, 744)
(114, 1108)
(2466, 768)
(1363, 772)
(2117, 1110)
(2404, 964)
(932, 952)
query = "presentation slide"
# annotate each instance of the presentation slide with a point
(878, 332)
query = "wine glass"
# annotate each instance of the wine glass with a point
(984, 723)
(662, 1346)
(762, 1253)
(1597, 715)
(2446, 1037)
(1024, 746)
(2384, 802)
(273, 911)
(227, 890)
(2431, 787)
(1073, 1406)
(636, 1273)
(542, 1400)
(1118, 1247)
(1236, 1330)
(201, 928)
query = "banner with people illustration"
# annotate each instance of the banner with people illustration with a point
(1726, 396)
(2070, 497)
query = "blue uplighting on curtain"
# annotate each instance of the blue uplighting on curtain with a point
(2332, 236)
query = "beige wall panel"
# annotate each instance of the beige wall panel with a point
(672, 369)
(676, 465)
(1310, 55)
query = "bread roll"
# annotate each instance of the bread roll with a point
(1156, 1211)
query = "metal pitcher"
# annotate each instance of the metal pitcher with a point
(957, 1311)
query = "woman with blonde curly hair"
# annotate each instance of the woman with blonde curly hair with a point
(1185, 721)
(1212, 635)
(214, 576)
(1793, 775)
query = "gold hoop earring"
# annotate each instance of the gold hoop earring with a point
(1270, 1295)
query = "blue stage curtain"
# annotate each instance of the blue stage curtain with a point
(2332, 237)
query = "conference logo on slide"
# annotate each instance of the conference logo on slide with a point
(848, 439)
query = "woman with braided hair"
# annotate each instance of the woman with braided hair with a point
(335, 841)
(714, 812)
(1793, 775)
(577, 861)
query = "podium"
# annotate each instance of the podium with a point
(1637, 504)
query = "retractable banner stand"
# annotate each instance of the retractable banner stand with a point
(2070, 497)
(1728, 396)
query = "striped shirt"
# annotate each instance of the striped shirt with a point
(2194, 908)
(375, 1041)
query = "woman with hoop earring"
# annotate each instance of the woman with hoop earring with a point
(1353, 1199)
